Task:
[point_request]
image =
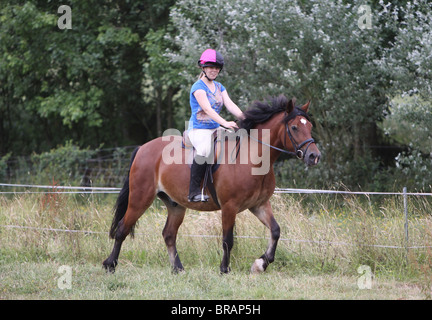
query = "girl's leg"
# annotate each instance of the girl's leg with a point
(202, 140)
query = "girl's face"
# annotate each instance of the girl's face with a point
(212, 72)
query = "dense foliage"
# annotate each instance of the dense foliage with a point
(84, 83)
(121, 76)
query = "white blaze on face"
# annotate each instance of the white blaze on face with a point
(303, 121)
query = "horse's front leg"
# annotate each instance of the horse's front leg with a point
(265, 214)
(228, 220)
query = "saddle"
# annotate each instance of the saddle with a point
(219, 137)
(211, 168)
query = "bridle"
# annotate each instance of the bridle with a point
(299, 153)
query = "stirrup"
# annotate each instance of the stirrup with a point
(199, 198)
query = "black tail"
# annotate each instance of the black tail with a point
(122, 202)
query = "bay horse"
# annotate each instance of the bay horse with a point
(279, 126)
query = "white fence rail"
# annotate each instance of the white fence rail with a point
(277, 190)
(102, 190)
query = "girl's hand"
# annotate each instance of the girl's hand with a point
(231, 125)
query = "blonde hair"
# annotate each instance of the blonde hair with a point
(201, 75)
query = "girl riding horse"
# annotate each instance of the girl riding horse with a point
(237, 189)
(207, 97)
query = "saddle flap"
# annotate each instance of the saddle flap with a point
(186, 141)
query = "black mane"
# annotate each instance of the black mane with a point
(261, 111)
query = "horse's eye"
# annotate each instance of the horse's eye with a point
(294, 128)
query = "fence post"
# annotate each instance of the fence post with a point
(405, 200)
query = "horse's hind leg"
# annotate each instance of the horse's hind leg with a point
(138, 203)
(174, 220)
(265, 214)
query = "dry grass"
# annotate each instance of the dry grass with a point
(323, 242)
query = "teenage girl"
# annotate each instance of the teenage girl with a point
(207, 97)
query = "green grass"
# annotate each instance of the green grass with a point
(321, 247)
(29, 280)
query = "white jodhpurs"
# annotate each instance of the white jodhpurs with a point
(202, 140)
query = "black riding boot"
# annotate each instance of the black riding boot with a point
(197, 174)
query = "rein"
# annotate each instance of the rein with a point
(298, 152)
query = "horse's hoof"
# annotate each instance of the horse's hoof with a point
(109, 267)
(177, 270)
(258, 266)
(225, 270)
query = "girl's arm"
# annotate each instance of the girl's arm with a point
(201, 97)
(231, 106)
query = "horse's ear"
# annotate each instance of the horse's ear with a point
(305, 107)
(291, 105)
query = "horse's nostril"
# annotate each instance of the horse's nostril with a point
(314, 158)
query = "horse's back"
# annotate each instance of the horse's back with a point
(163, 162)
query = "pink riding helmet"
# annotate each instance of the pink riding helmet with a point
(211, 57)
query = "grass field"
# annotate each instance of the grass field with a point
(323, 243)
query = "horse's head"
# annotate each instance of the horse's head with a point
(293, 133)
(297, 133)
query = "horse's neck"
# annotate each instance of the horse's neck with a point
(269, 134)
(260, 155)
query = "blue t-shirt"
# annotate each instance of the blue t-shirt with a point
(199, 119)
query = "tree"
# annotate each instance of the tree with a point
(161, 81)
(408, 63)
(82, 83)
(312, 50)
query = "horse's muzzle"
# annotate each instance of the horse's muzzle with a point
(312, 158)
